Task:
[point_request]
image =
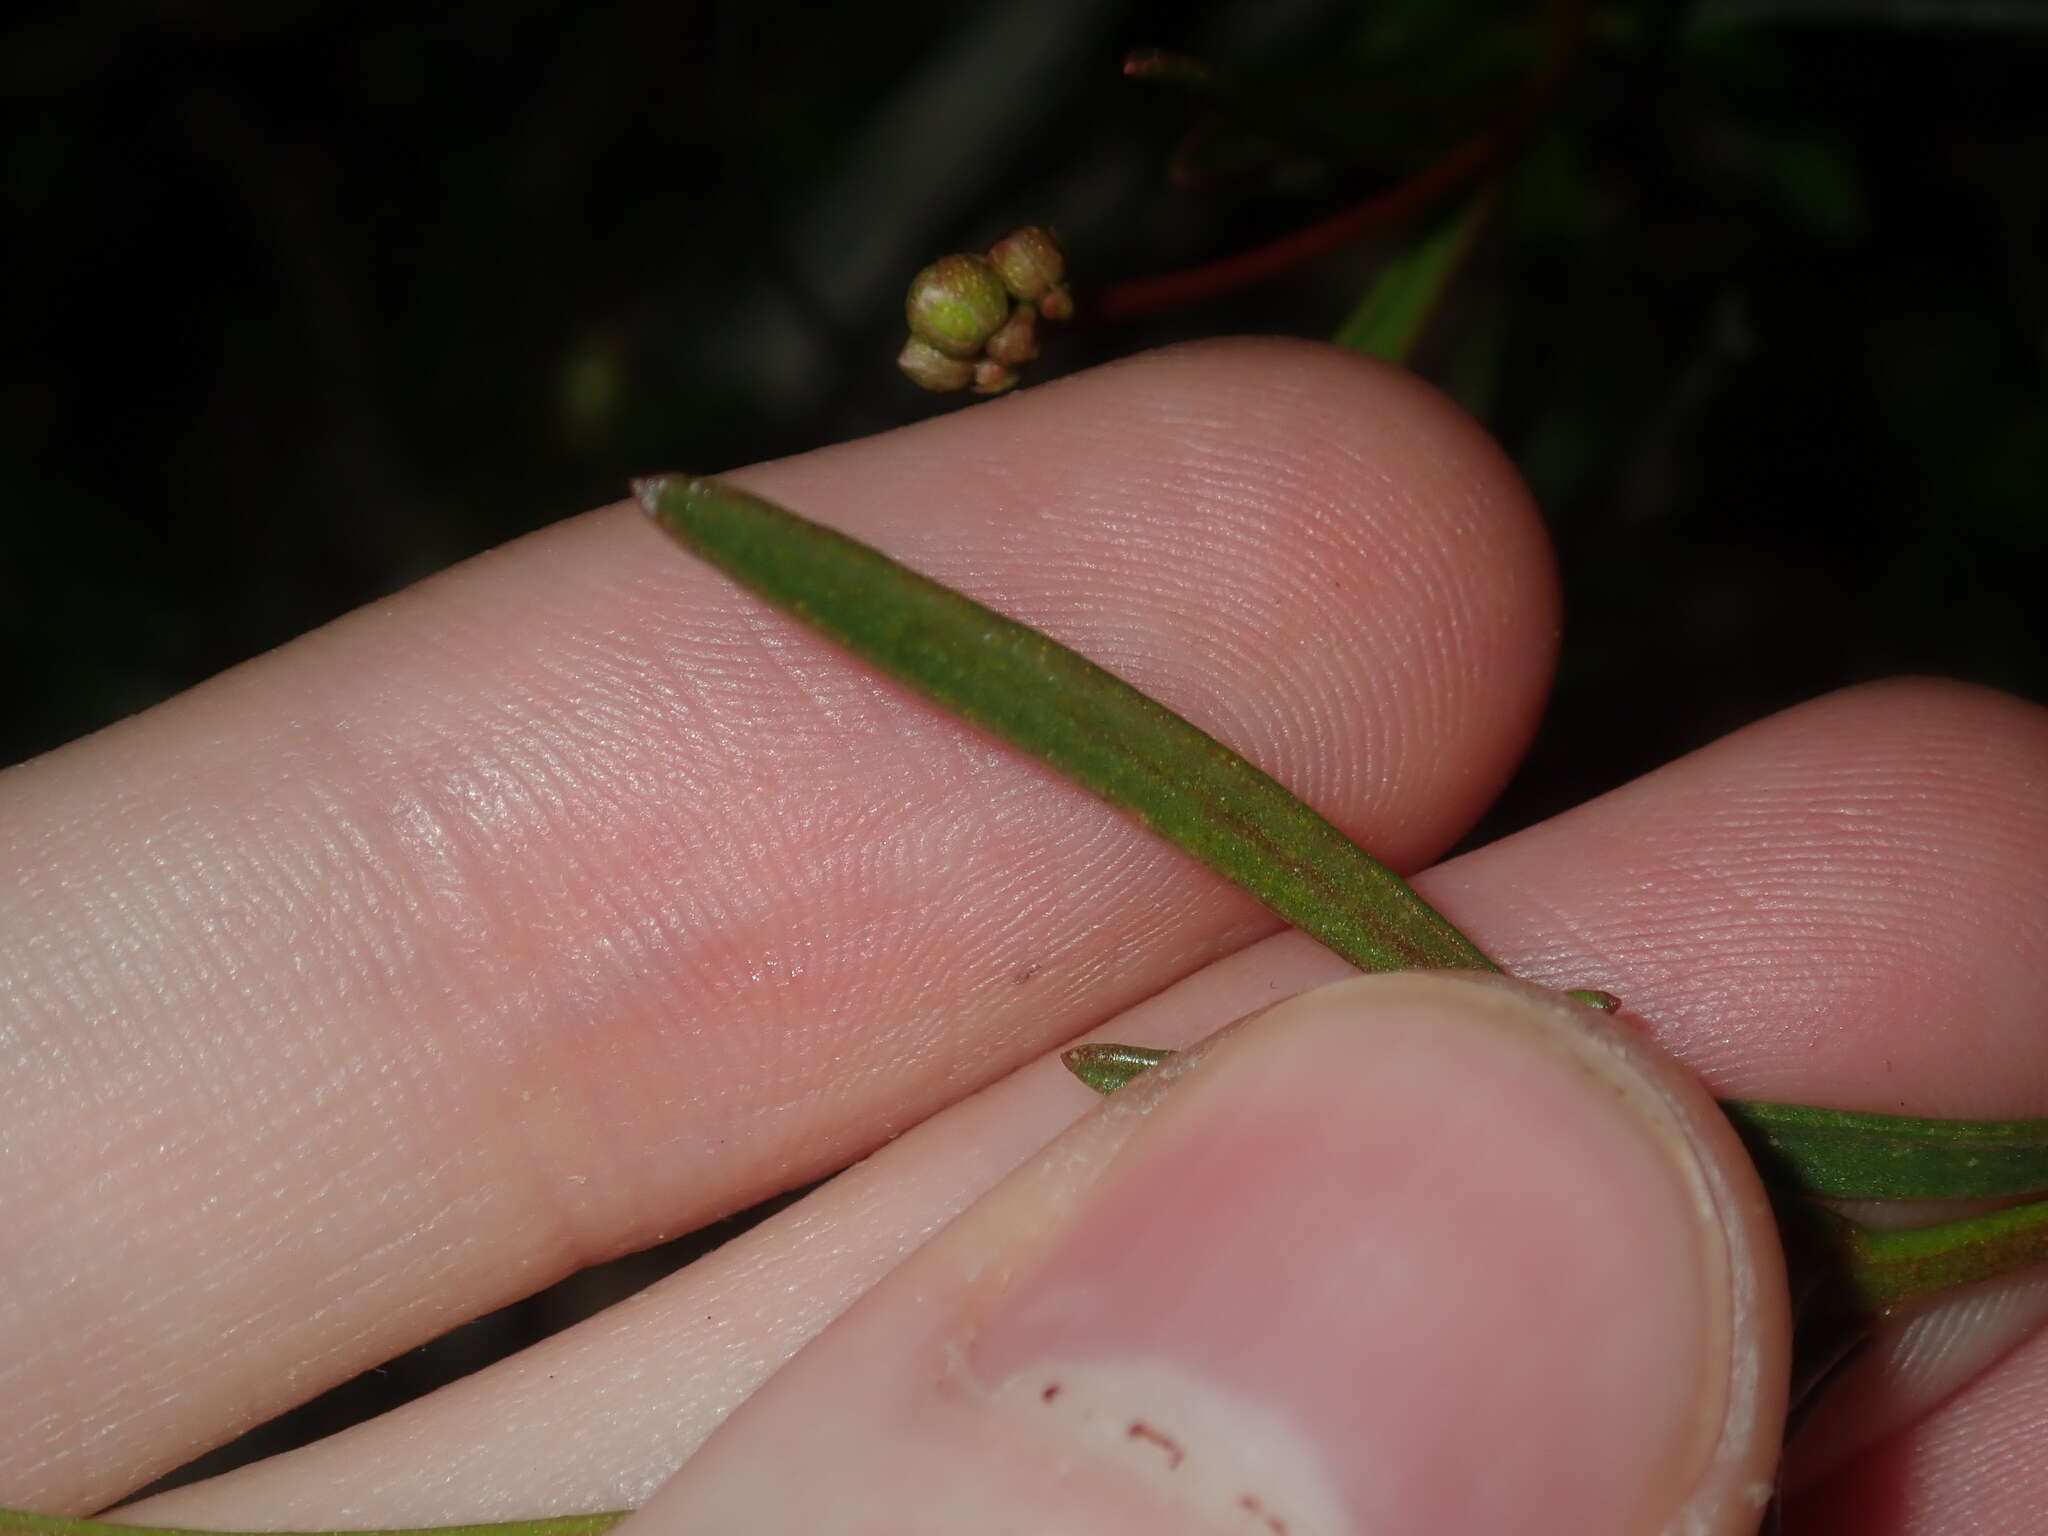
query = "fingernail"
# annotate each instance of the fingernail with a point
(1417, 1256)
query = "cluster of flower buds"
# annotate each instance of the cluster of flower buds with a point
(974, 319)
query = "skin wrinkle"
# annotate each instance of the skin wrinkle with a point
(1976, 1466)
(467, 797)
(1816, 1009)
(445, 836)
(1932, 1356)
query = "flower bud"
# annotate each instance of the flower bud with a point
(929, 368)
(956, 304)
(992, 378)
(1057, 303)
(1017, 342)
(1030, 262)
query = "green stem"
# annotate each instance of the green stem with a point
(1890, 1272)
(1835, 1154)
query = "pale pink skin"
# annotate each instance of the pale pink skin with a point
(569, 899)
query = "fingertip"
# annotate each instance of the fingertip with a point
(1408, 1254)
(1347, 551)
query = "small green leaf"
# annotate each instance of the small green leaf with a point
(1397, 308)
(1091, 726)
(1106, 1068)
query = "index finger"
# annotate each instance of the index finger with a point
(572, 898)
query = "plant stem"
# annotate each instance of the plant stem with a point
(1139, 298)
(1463, 163)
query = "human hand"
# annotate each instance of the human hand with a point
(569, 899)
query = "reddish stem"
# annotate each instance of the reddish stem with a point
(1139, 297)
(1134, 300)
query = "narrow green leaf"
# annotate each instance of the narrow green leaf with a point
(15, 1522)
(1896, 1271)
(1844, 1155)
(1396, 309)
(1832, 1153)
(1091, 726)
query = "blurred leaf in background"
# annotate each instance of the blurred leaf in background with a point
(1398, 306)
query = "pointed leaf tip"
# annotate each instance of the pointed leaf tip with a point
(654, 491)
(647, 491)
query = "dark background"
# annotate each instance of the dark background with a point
(304, 300)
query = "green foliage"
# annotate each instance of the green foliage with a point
(1403, 298)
